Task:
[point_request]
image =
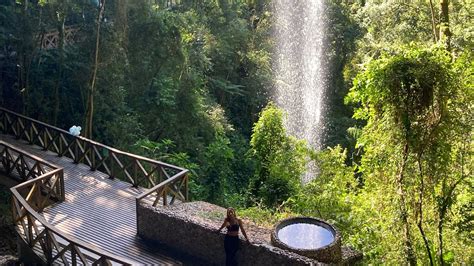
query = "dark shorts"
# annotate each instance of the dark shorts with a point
(231, 246)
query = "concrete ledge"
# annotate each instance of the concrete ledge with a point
(190, 228)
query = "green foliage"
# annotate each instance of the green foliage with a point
(266, 217)
(328, 195)
(404, 90)
(186, 83)
(217, 158)
(280, 159)
(341, 46)
(164, 151)
(410, 103)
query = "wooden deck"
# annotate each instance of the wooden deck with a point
(99, 210)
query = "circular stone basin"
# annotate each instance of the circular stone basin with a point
(310, 237)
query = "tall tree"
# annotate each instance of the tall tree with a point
(445, 33)
(433, 22)
(408, 97)
(61, 14)
(95, 66)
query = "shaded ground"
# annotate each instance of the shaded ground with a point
(7, 232)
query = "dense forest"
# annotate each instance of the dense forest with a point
(189, 82)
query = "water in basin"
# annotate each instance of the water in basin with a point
(305, 236)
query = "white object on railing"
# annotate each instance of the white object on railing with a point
(75, 130)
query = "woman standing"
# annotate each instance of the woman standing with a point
(231, 240)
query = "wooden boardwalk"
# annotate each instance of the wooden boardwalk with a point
(98, 210)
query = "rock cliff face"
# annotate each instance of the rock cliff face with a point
(191, 228)
(9, 260)
(7, 232)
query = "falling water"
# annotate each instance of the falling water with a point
(300, 69)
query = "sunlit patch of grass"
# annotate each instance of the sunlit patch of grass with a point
(212, 215)
(264, 217)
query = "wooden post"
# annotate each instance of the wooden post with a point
(30, 131)
(93, 163)
(112, 173)
(135, 173)
(30, 230)
(61, 149)
(5, 161)
(76, 150)
(61, 185)
(165, 195)
(73, 254)
(49, 247)
(160, 176)
(45, 138)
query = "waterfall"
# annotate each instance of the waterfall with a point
(300, 69)
(299, 66)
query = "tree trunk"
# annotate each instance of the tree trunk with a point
(433, 22)
(444, 32)
(410, 255)
(445, 205)
(60, 70)
(90, 98)
(420, 212)
(121, 14)
(22, 57)
(442, 213)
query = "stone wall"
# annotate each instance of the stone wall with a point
(182, 228)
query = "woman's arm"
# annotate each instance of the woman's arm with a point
(243, 230)
(223, 225)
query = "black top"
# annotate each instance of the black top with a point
(233, 228)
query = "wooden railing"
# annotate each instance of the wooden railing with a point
(50, 40)
(56, 247)
(28, 169)
(43, 185)
(138, 170)
(175, 187)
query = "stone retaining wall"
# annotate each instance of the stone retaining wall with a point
(197, 237)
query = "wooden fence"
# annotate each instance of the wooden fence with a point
(43, 185)
(138, 170)
(50, 39)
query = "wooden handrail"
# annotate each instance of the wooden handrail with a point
(138, 170)
(172, 184)
(28, 155)
(28, 167)
(91, 141)
(169, 185)
(47, 239)
(160, 177)
(32, 227)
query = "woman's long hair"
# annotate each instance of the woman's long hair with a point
(231, 211)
